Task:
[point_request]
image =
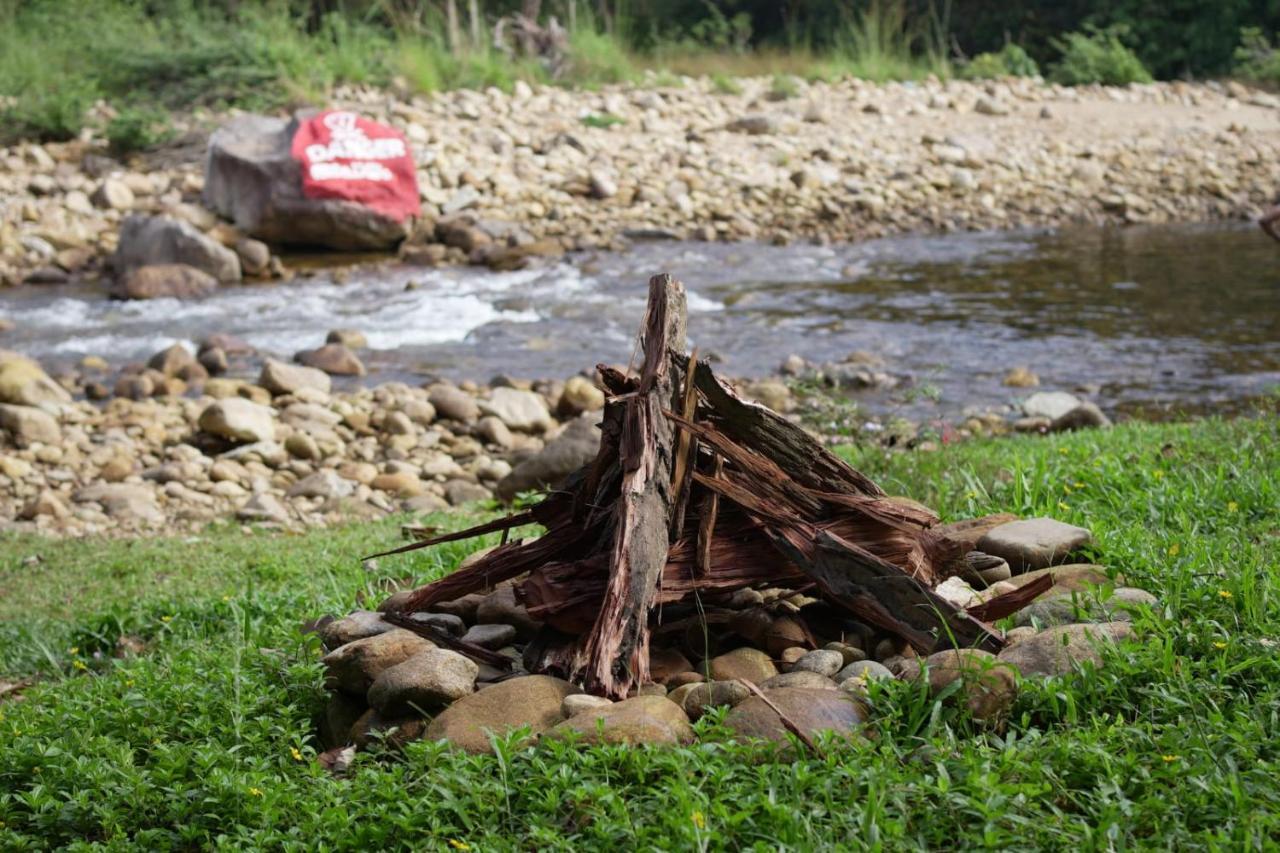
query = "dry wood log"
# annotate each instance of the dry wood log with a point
(615, 655)
(695, 491)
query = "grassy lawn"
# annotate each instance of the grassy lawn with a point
(205, 738)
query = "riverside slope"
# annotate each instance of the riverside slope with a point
(838, 161)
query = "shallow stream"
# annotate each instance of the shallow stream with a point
(1151, 320)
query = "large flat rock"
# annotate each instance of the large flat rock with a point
(811, 710)
(1034, 543)
(532, 700)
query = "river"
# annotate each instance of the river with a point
(1149, 320)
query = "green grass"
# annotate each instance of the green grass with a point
(178, 54)
(1173, 744)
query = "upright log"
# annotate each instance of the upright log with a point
(696, 491)
(614, 656)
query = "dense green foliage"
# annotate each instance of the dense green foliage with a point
(205, 739)
(1010, 61)
(1098, 56)
(178, 53)
(1257, 58)
(137, 128)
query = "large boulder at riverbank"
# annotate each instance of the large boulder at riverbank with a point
(574, 447)
(252, 179)
(149, 240)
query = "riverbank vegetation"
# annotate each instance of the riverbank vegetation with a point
(173, 695)
(57, 68)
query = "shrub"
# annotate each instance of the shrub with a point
(723, 84)
(597, 59)
(1256, 58)
(1098, 56)
(885, 41)
(784, 87)
(1011, 61)
(137, 129)
(48, 115)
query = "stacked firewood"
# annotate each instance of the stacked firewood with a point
(696, 493)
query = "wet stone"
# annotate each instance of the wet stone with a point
(490, 636)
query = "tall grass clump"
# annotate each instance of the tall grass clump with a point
(1010, 61)
(885, 42)
(56, 61)
(1098, 56)
(597, 58)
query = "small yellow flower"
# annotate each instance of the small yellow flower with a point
(255, 792)
(1232, 506)
(1078, 484)
(165, 618)
(1063, 506)
(1062, 450)
(1175, 549)
(74, 650)
(297, 756)
(225, 599)
(1158, 474)
(699, 820)
(80, 665)
(1066, 489)
(129, 683)
(1169, 759)
(459, 845)
(1219, 645)
(970, 495)
(1224, 593)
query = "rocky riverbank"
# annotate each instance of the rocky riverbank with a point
(509, 176)
(219, 432)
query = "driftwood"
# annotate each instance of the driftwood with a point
(695, 493)
(615, 655)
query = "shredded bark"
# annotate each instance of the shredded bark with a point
(696, 492)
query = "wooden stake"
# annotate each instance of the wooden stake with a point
(615, 655)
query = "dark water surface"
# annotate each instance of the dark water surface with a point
(1152, 319)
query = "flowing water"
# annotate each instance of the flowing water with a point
(1170, 318)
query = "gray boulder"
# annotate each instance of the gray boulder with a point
(251, 178)
(1034, 543)
(239, 420)
(28, 424)
(426, 681)
(149, 240)
(566, 453)
(1083, 416)
(123, 501)
(1049, 404)
(164, 281)
(523, 411)
(1058, 650)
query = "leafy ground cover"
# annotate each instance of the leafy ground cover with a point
(206, 736)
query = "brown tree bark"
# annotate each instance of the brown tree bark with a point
(615, 654)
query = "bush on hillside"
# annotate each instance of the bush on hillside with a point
(1097, 56)
(51, 115)
(138, 129)
(1010, 61)
(1257, 58)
